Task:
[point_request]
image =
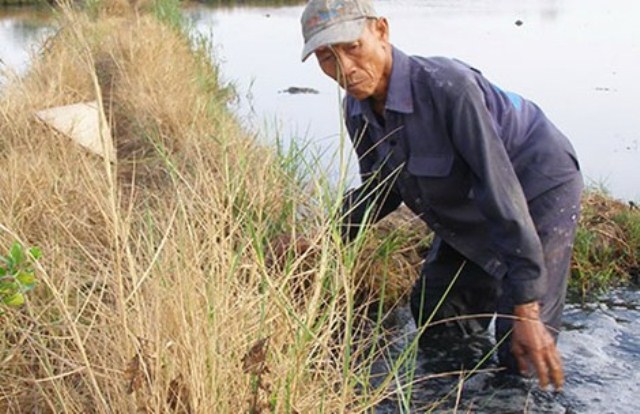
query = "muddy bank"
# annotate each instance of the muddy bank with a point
(606, 251)
(607, 247)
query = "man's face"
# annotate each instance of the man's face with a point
(362, 67)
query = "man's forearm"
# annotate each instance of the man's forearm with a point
(369, 202)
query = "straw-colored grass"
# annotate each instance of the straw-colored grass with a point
(154, 290)
(263, 3)
(607, 246)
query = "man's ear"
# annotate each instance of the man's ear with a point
(381, 27)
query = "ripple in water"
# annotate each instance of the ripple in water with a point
(600, 348)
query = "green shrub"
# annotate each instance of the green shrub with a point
(17, 275)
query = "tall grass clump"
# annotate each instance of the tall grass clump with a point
(157, 288)
(607, 246)
(263, 3)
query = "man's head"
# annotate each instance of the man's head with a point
(351, 44)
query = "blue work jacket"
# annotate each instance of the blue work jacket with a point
(466, 157)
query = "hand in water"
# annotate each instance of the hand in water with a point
(532, 344)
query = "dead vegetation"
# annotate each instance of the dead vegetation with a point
(145, 248)
(607, 246)
(153, 285)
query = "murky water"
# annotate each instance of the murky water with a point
(600, 346)
(578, 59)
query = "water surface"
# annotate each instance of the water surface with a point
(600, 347)
(578, 59)
(22, 32)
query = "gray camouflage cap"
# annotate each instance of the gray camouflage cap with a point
(327, 22)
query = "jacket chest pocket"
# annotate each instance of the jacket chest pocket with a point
(440, 180)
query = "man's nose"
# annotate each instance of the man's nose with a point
(345, 65)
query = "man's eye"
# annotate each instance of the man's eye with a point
(327, 57)
(354, 46)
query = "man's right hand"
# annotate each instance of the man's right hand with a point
(532, 344)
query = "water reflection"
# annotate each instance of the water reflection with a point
(21, 31)
(578, 59)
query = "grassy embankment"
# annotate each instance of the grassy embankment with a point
(16, 2)
(607, 247)
(265, 3)
(155, 289)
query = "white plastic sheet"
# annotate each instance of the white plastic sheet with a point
(85, 124)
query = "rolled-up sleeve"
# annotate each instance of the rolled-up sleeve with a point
(498, 193)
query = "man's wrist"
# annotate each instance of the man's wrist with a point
(529, 310)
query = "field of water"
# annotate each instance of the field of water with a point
(577, 59)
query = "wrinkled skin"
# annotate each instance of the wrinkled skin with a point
(532, 344)
(362, 67)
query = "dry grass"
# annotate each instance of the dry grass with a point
(607, 246)
(395, 246)
(154, 294)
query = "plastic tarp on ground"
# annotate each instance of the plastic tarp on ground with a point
(85, 124)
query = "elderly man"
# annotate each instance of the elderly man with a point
(497, 182)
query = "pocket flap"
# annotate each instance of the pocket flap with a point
(430, 165)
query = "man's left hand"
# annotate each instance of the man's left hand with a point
(532, 344)
(284, 243)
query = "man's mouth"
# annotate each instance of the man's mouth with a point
(352, 85)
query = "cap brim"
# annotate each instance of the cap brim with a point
(344, 32)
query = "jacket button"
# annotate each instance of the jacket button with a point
(418, 200)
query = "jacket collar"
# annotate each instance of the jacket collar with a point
(399, 98)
